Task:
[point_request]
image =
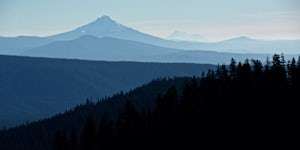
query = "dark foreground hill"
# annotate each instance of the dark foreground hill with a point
(34, 88)
(244, 104)
(40, 134)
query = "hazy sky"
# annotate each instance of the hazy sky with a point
(214, 19)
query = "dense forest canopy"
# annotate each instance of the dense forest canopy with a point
(246, 103)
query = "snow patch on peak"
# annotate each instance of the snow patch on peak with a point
(104, 17)
(103, 24)
(82, 30)
(243, 38)
(184, 36)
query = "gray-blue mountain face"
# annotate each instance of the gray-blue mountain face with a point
(107, 48)
(106, 27)
(110, 49)
(16, 45)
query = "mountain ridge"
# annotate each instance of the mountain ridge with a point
(106, 27)
(184, 36)
(88, 47)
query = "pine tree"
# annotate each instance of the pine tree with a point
(218, 72)
(257, 69)
(297, 73)
(267, 65)
(278, 72)
(223, 73)
(232, 69)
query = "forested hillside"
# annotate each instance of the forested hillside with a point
(35, 88)
(246, 103)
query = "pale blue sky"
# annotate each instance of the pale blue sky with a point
(214, 19)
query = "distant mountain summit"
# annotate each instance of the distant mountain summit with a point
(105, 27)
(183, 36)
(102, 26)
(240, 39)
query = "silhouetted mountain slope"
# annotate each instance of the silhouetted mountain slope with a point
(34, 88)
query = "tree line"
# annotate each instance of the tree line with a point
(40, 134)
(244, 103)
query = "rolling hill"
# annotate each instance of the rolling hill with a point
(16, 45)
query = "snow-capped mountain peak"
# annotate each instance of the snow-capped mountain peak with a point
(106, 19)
(101, 27)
